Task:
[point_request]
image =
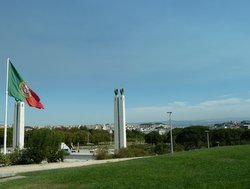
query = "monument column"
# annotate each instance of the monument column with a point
(119, 120)
(116, 120)
(123, 141)
(18, 126)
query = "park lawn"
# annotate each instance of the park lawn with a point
(223, 167)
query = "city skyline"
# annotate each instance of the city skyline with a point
(190, 58)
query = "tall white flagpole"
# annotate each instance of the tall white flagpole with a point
(6, 108)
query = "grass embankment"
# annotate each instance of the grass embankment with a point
(224, 167)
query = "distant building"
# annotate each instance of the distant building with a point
(158, 127)
(227, 125)
(245, 124)
(28, 128)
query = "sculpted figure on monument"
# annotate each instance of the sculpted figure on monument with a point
(116, 92)
(122, 91)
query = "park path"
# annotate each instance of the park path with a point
(16, 169)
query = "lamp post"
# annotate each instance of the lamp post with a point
(208, 145)
(171, 134)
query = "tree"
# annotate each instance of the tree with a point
(192, 137)
(134, 136)
(153, 138)
(226, 137)
(98, 136)
(175, 132)
(246, 136)
(9, 136)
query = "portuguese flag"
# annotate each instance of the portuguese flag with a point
(19, 89)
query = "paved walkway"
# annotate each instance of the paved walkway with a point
(13, 170)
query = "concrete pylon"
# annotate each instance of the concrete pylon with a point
(18, 127)
(119, 120)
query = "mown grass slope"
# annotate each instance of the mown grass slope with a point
(223, 167)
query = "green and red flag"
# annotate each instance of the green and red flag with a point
(19, 89)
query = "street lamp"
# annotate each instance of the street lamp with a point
(208, 145)
(171, 134)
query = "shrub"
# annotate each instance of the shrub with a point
(134, 151)
(102, 153)
(55, 156)
(13, 157)
(36, 155)
(161, 148)
(24, 157)
(44, 144)
(178, 147)
(4, 160)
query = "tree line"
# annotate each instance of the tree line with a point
(195, 137)
(81, 135)
(44, 144)
(183, 138)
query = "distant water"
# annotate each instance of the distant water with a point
(210, 122)
(205, 122)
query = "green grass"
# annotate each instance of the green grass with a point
(224, 167)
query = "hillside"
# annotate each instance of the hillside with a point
(223, 167)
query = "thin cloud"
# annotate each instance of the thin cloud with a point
(221, 102)
(210, 109)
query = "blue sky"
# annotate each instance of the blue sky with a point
(188, 57)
